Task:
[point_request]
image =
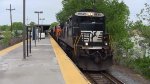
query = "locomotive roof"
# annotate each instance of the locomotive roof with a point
(88, 10)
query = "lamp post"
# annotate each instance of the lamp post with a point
(24, 31)
(38, 12)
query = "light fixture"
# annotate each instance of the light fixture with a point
(86, 44)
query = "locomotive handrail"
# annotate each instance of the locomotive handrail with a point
(76, 43)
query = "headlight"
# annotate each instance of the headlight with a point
(91, 14)
(106, 43)
(86, 44)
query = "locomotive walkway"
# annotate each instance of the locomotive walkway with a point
(47, 64)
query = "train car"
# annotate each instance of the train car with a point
(56, 32)
(85, 39)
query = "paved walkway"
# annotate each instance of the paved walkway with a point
(40, 68)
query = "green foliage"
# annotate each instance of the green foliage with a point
(144, 31)
(16, 33)
(144, 15)
(117, 15)
(54, 24)
(146, 34)
(126, 44)
(143, 18)
(4, 27)
(32, 24)
(7, 38)
(17, 29)
(17, 26)
(72, 6)
(142, 66)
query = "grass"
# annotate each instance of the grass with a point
(140, 65)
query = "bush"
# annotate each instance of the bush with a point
(142, 65)
(7, 37)
(139, 65)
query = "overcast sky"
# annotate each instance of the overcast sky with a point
(50, 8)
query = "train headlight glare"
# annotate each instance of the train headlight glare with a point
(90, 14)
(86, 44)
(106, 43)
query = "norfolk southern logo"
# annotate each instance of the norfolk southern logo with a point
(92, 36)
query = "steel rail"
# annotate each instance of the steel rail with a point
(101, 78)
(112, 78)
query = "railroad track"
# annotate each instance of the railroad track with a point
(101, 78)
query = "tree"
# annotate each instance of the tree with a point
(144, 21)
(144, 15)
(53, 24)
(4, 27)
(17, 26)
(32, 24)
(7, 38)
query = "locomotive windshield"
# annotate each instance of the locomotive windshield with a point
(90, 19)
(94, 23)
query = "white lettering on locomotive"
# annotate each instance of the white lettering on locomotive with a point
(94, 14)
(92, 36)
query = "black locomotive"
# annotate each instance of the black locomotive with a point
(84, 38)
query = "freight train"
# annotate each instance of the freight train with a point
(85, 39)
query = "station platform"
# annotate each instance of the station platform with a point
(47, 64)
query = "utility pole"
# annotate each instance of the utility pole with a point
(38, 12)
(10, 9)
(24, 31)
